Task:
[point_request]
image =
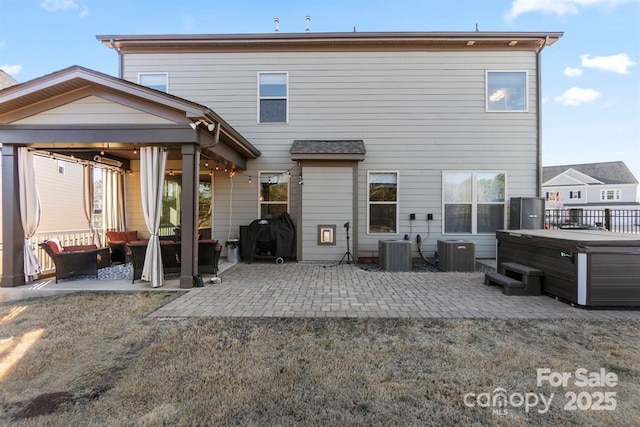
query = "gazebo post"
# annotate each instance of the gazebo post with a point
(12, 232)
(189, 220)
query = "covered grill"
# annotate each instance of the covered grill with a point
(268, 238)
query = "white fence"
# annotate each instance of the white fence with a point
(66, 237)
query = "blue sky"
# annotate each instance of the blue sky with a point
(591, 76)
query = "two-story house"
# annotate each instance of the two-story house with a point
(591, 185)
(395, 134)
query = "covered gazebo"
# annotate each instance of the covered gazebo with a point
(90, 115)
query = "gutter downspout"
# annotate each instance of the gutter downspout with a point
(539, 118)
(120, 59)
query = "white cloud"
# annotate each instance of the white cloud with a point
(619, 63)
(577, 96)
(55, 5)
(558, 7)
(11, 69)
(572, 72)
(188, 23)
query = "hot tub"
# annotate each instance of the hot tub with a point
(590, 268)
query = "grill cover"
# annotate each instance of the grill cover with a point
(268, 237)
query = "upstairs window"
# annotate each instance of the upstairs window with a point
(553, 196)
(157, 81)
(506, 91)
(273, 91)
(575, 194)
(609, 195)
(383, 202)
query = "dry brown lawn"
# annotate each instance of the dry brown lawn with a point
(97, 359)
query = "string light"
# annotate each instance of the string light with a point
(171, 172)
(135, 149)
(269, 177)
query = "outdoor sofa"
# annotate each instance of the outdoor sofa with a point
(70, 261)
(170, 251)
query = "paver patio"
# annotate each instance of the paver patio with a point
(313, 290)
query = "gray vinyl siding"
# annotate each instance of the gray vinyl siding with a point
(133, 201)
(327, 199)
(61, 196)
(417, 112)
(92, 110)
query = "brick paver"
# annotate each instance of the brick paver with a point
(313, 290)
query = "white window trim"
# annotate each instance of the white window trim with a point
(617, 195)
(273, 172)
(526, 91)
(155, 73)
(552, 196)
(474, 201)
(397, 202)
(258, 98)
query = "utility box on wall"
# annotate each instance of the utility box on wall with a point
(395, 255)
(526, 213)
(457, 255)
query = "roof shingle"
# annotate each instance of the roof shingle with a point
(345, 146)
(607, 172)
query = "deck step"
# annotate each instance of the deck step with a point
(525, 270)
(511, 286)
(494, 277)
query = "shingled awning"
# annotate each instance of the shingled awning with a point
(343, 149)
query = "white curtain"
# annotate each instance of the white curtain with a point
(89, 202)
(113, 212)
(30, 209)
(152, 164)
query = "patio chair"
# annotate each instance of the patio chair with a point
(209, 256)
(138, 251)
(118, 241)
(170, 252)
(73, 260)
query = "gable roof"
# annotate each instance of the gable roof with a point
(606, 172)
(572, 177)
(75, 78)
(6, 80)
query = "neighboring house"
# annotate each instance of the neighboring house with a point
(6, 80)
(395, 134)
(591, 185)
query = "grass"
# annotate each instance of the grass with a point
(95, 358)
